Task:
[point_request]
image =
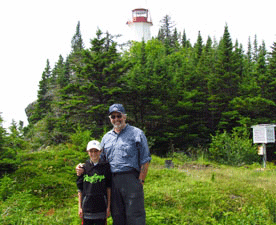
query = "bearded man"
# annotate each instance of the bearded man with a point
(125, 148)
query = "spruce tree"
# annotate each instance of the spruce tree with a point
(184, 39)
(272, 59)
(42, 106)
(8, 162)
(224, 85)
(63, 78)
(255, 50)
(161, 35)
(269, 71)
(166, 33)
(88, 96)
(2, 134)
(198, 48)
(167, 26)
(77, 43)
(57, 73)
(175, 39)
(261, 69)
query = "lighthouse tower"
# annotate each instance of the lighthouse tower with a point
(140, 24)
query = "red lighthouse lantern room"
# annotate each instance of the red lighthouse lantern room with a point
(140, 16)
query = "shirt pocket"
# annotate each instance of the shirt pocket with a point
(125, 151)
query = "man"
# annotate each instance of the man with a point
(94, 187)
(125, 148)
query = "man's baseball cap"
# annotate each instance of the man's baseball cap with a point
(117, 108)
(93, 144)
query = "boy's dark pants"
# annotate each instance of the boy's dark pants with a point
(127, 199)
(94, 222)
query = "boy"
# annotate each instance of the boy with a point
(94, 187)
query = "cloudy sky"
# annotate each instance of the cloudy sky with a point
(33, 31)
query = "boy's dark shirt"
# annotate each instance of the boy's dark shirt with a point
(93, 184)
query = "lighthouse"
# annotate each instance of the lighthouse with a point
(140, 24)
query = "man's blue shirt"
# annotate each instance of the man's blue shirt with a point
(126, 150)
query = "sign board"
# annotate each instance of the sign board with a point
(264, 133)
(260, 150)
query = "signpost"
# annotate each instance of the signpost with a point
(263, 134)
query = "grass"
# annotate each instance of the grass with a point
(194, 193)
(43, 191)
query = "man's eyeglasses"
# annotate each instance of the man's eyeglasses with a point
(119, 116)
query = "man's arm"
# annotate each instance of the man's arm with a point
(143, 172)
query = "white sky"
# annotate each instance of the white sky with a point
(33, 31)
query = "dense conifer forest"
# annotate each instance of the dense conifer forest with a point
(181, 94)
(178, 92)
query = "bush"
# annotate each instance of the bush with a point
(38, 135)
(8, 160)
(80, 139)
(6, 187)
(233, 149)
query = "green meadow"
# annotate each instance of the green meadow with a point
(43, 191)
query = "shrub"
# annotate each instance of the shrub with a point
(8, 160)
(80, 138)
(233, 149)
(6, 187)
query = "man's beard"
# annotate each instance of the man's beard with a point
(118, 126)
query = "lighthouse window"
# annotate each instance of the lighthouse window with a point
(140, 14)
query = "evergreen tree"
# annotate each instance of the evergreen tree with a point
(249, 50)
(57, 73)
(198, 48)
(8, 162)
(2, 134)
(184, 40)
(175, 39)
(224, 86)
(249, 64)
(64, 74)
(76, 56)
(261, 69)
(167, 26)
(96, 85)
(270, 71)
(161, 35)
(272, 59)
(256, 50)
(238, 60)
(166, 32)
(42, 106)
(77, 43)
(15, 139)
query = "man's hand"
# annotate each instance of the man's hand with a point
(79, 169)
(143, 172)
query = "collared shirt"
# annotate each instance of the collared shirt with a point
(126, 150)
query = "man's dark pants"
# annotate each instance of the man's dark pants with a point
(127, 199)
